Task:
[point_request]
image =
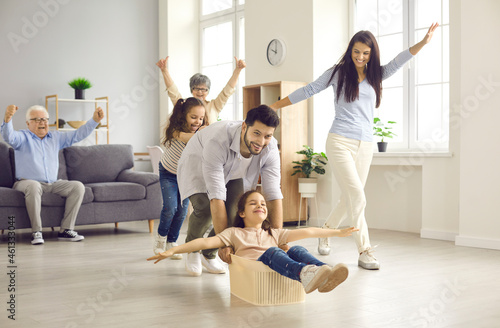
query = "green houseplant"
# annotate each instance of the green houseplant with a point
(312, 162)
(80, 84)
(383, 131)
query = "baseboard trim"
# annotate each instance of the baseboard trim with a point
(478, 242)
(439, 235)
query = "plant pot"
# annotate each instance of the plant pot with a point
(308, 187)
(382, 146)
(61, 123)
(79, 93)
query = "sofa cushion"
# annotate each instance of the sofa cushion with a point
(99, 163)
(7, 173)
(62, 174)
(143, 178)
(117, 191)
(11, 197)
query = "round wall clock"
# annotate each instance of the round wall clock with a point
(276, 52)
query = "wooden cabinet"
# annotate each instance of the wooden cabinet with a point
(292, 134)
(102, 128)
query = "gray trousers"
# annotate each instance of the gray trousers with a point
(201, 217)
(33, 190)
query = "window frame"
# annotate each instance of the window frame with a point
(233, 15)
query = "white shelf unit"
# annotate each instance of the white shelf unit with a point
(97, 101)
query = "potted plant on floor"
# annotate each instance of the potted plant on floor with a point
(382, 131)
(80, 84)
(313, 162)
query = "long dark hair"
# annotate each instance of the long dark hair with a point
(238, 220)
(177, 121)
(348, 84)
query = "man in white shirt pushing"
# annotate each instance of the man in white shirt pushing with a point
(217, 166)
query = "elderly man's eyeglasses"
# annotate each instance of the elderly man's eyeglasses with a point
(200, 89)
(40, 119)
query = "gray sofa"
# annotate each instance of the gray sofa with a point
(114, 192)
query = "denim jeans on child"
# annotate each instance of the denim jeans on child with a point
(289, 264)
(173, 212)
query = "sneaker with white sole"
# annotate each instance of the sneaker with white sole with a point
(37, 238)
(175, 256)
(69, 235)
(193, 264)
(313, 276)
(367, 260)
(159, 244)
(213, 265)
(338, 274)
(324, 246)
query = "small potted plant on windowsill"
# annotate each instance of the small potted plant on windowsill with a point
(80, 84)
(382, 131)
(313, 162)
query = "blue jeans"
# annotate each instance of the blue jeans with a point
(289, 264)
(173, 212)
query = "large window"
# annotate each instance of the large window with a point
(417, 97)
(222, 39)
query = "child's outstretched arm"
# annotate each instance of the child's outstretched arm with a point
(192, 246)
(304, 233)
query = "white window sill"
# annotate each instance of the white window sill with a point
(414, 158)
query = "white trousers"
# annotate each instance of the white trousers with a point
(33, 190)
(350, 162)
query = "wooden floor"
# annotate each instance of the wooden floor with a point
(105, 281)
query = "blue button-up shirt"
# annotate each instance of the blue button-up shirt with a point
(38, 159)
(212, 158)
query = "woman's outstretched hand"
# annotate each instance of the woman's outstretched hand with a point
(430, 33)
(427, 38)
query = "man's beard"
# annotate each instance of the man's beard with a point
(245, 140)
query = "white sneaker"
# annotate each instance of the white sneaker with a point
(313, 276)
(324, 246)
(367, 260)
(37, 238)
(338, 274)
(213, 265)
(159, 244)
(193, 264)
(175, 256)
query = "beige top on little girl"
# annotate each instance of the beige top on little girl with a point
(251, 243)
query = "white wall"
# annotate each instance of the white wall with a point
(290, 21)
(480, 135)
(179, 39)
(113, 43)
(394, 207)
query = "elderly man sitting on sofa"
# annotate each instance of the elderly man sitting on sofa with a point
(37, 164)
